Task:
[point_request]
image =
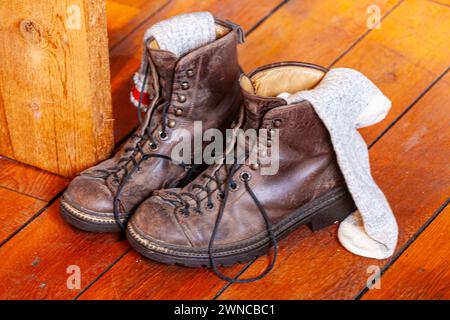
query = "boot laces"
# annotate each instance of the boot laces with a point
(224, 186)
(121, 172)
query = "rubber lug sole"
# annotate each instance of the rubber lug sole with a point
(84, 221)
(317, 217)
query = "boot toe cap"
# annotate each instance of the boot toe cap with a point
(89, 193)
(155, 222)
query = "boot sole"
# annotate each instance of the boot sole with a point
(87, 220)
(331, 208)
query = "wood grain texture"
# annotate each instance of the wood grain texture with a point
(55, 85)
(126, 56)
(422, 271)
(33, 264)
(410, 50)
(5, 139)
(30, 181)
(136, 278)
(16, 209)
(403, 57)
(125, 16)
(55, 245)
(310, 31)
(410, 164)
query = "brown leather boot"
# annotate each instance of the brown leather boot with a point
(233, 213)
(200, 86)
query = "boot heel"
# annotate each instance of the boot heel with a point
(333, 213)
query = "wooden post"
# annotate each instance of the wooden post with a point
(55, 96)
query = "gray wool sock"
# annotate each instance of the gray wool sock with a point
(346, 100)
(180, 35)
(183, 33)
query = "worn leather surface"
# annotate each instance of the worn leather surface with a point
(308, 169)
(212, 96)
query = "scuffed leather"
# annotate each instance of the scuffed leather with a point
(308, 170)
(213, 97)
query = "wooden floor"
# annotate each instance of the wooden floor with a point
(408, 57)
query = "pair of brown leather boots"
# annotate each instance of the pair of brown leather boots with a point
(194, 215)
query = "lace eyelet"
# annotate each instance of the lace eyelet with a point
(209, 206)
(245, 176)
(153, 146)
(220, 196)
(234, 186)
(163, 136)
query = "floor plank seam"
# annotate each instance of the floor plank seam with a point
(222, 290)
(261, 21)
(267, 16)
(406, 246)
(102, 274)
(36, 215)
(439, 3)
(139, 25)
(358, 40)
(404, 112)
(225, 287)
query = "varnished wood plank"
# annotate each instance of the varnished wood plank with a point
(33, 264)
(125, 16)
(125, 57)
(55, 84)
(410, 164)
(30, 181)
(311, 31)
(406, 54)
(137, 278)
(16, 209)
(422, 271)
(441, 2)
(403, 57)
(54, 244)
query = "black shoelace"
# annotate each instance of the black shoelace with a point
(230, 184)
(143, 137)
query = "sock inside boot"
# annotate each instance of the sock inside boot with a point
(184, 33)
(290, 79)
